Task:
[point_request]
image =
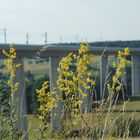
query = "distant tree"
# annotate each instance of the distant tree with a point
(31, 96)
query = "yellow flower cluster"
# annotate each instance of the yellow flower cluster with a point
(65, 80)
(69, 79)
(11, 67)
(74, 78)
(83, 76)
(84, 48)
(12, 52)
(67, 84)
(45, 100)
(122, 62)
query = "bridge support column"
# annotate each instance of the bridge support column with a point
(135, 75)
(125, 81)
(103, 76)
(86, 105)
(19, 99)
(87, 100)
(56, 112)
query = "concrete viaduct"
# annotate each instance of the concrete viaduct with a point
(55, 52)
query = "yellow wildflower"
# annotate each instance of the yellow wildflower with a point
(11, 67)
(126, 51)
(115, 79)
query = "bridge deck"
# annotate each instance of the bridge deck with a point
(62, 49)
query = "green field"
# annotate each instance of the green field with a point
(34, 122)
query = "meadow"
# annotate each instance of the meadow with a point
(132, 106)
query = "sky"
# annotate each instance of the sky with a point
(69, 20)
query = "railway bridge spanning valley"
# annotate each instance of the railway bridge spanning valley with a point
(56, 51)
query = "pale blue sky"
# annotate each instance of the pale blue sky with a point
(91, 20)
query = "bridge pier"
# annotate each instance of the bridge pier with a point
(56, 112)
(135, 60)
(86, 105)
(103, 76)
(87, 101)
(19, 99)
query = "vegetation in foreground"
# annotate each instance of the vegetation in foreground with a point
(75, 85)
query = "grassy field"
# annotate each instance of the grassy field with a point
(132, 106)
(38, 70)
(34, 122)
